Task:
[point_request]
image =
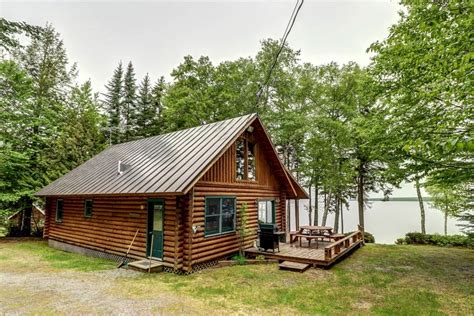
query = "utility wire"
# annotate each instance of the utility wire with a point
(288, 29)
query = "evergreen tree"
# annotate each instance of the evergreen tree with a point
(129, 107)
(114, 103)
(143, 114)
(9, 30)
(158, 92)
(81, 131)
(39, 84)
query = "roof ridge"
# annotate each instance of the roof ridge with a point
(188, 128)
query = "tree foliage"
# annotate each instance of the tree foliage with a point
(48, 123)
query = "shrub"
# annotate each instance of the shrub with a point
(368, 237)
(400, 241)
(436, 240)
(240, 259)
(416, 238)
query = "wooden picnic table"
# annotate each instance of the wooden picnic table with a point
(316, 230)
(311, 232)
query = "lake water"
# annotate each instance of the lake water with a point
(387, 221)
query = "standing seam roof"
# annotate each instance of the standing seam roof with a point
(166, 163)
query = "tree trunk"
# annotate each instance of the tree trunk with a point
(310, 208)
(446, 223)
(360, 194)
(342, 218)
(336, 216)
(326, 208)
(316, 206)
(422, 208)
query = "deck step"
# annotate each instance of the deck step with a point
(294, 266)
(146, 265)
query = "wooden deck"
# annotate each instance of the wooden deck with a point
(324, 255)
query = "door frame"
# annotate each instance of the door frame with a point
(150, 215)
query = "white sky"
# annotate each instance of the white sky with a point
(156, 35)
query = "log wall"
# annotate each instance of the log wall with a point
(113, 224)
(220, 180)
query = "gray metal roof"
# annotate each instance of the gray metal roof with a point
(167, 163)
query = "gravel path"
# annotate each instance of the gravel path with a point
(76, 293)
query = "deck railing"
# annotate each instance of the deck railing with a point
(335, 248)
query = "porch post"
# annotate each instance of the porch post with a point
(297, 213)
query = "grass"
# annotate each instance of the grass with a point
(375, 280)
(37, 256)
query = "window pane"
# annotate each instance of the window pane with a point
(228, 205)
(239, 161)
(158, 217)
(269, 212)
(212, 225)
(59, 210)
(228, 222)
(228, 214)
(262, 211)
(88, 208)
(212, 206)
(251, 172)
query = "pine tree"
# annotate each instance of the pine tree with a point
(156, 125)
(113, 104)
(39, 80)
(81, 136)
(144, 114)
(129, 102)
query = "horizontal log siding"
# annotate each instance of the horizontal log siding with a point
(113, 224)
(220, 180)
(209, 248)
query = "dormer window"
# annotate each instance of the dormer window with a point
(245, 160)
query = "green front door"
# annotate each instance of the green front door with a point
(154, 247)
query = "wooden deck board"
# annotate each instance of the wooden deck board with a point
(304, 254)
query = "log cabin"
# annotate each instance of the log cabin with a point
(180, 191)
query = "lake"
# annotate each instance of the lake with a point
(387, 221)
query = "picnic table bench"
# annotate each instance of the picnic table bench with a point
(314, 233)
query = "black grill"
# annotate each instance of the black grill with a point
(269, 236)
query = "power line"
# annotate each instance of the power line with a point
(288, 29)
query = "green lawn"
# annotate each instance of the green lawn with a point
(375, 280)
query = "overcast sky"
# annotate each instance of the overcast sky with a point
(155, 35)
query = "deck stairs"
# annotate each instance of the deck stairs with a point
(294, 266)
(146, 265)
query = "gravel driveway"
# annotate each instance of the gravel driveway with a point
(73, 292)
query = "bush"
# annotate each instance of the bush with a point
(368, 237)
(417, 238)
(240, 259)
(436, 240)
(400, 241)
